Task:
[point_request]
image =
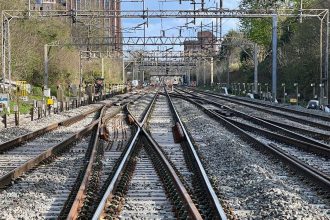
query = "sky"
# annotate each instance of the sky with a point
(171, 25)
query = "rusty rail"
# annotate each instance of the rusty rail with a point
(315, 175)
(14, 174)
(79, 199)
(270, 111)
(189, 204)
(281, 108)
(286, 136)
(202, 173)
(32, 135)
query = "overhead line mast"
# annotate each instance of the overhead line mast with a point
(82, 14)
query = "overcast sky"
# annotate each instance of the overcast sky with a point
(156, 25)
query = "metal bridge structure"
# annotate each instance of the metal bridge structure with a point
(111, 15)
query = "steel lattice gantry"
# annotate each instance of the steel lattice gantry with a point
(321, 14)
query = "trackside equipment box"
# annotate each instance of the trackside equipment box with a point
(4, 101)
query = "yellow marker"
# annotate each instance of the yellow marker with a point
(22, 88)
(293, 100)
(50, 102)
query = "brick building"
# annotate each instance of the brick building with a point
(206, 41)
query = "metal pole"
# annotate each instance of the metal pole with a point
(80, 70)
(301, 12)
(274, 65)
(204, 74)
(284, 94)
(46, 66)
(102, 67)
(133, 70)
(29, 10)
(321, 63)
(123, 71)
(80, 77)
(188, 81)
(212, 73)
(9, 55)
(327, 60)
(221, 6)
(297, 95)
(3, 37)
(227, 69)
(256, 51)
(197, 72)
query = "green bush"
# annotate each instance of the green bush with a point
(36, 91)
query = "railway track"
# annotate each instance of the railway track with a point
(255, 185)
(137, 161)
(316, 142)
(145, 197)
(270, 121)
(50, 172)
(144, 183)
(109, 154)
(56, 119)
(308, 113)
(312, 159)
(23, 153)
(103, 164)
(46, 174)
(41, 193)
(305, 121)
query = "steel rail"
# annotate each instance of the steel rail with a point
(14, 174)
(317, 134)
(323, 151)
(298, 137)
(308, 114)
(28, 165)
(291, 117)
(81, 194)
(73, 214)
(314, 174)
(260, 121)
(192, 209)
(32, 135)
(189, 204)
(147, 113)
(120, 169)
(116, 176)
(214, 198)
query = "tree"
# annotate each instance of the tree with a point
(298, 46)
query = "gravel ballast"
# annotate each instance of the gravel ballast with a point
(254, 185)
(27, 125)
(41, 193)
(24, 128)
(270, 116)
